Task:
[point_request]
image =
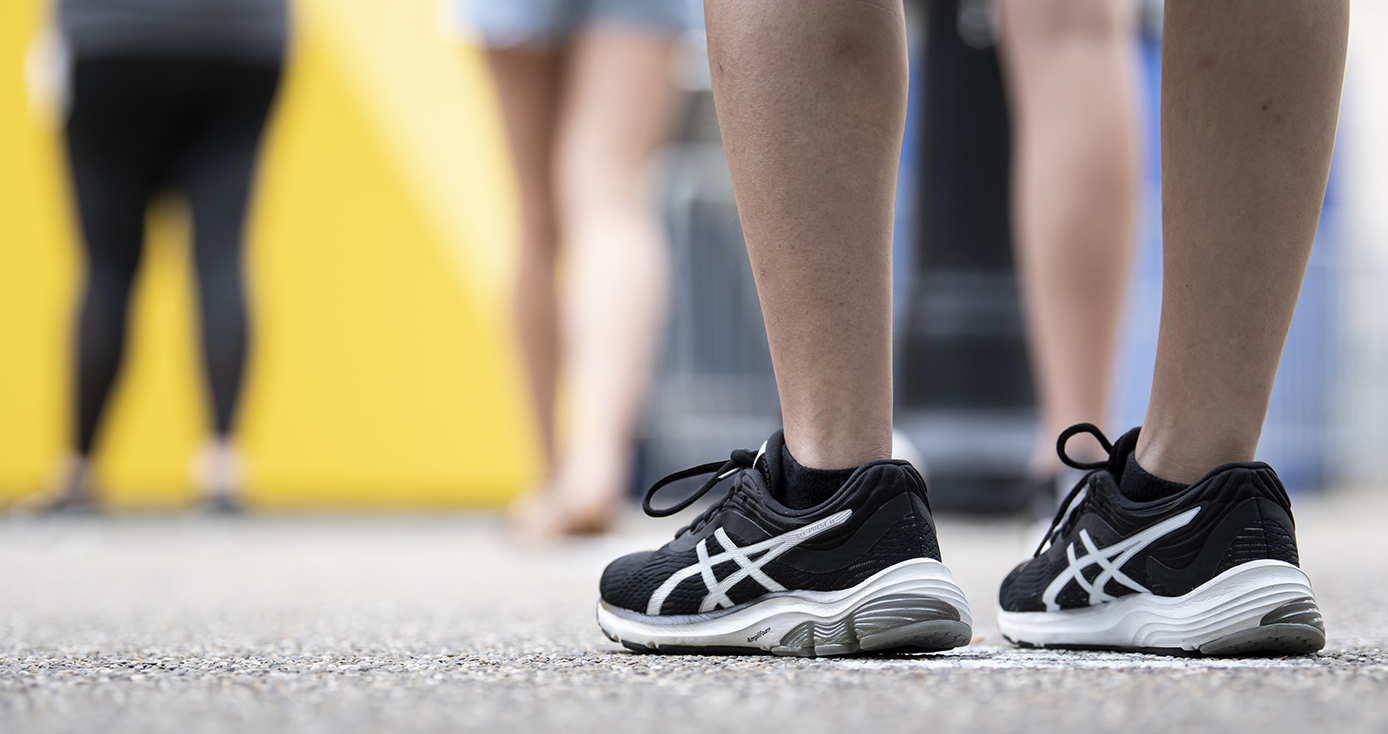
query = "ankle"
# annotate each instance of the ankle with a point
(803, 487)
(839, 449)
(1140, 485)
(591, 479)
(73, 480)
(1187, 459)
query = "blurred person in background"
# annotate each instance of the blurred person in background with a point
(587, 96)
(166, 95)
(1069, 67)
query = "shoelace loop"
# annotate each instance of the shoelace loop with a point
(1070, 506)
(739, 460)
(1075, 430)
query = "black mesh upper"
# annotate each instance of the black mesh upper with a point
(889, 523)
(1242, 514)
(629, 581)
(1262, 539)
(903, 542)
(1022, 589)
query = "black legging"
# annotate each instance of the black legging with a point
(138, 126)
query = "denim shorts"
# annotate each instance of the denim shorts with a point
(544, 23)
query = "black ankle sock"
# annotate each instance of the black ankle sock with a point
(1140, 486)
(804, 487)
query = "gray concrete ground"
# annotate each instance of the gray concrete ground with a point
(415, 624)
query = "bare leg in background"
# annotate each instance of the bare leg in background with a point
(1070, 72)
(1250, 98)
(811, 98)
(527, 85)
(583, 123)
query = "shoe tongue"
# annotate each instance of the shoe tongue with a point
(1122, 449)
(768, 463)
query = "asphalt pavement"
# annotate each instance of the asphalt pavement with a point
(439, 623)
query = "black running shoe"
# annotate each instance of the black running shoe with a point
(859, 572)
(1211, 570)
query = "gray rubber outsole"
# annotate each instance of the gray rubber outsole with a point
(898, 623)
(1268, 639)
(1294, 628)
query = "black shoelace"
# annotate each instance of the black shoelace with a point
(739, 460)
(1074, 501)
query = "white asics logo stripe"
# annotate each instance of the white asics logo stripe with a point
(1110, 560)
(717, 597)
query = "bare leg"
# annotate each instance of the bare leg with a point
(1070, 72)
(1250, 95)
(528, 86)
(617, 106)
(811, 99)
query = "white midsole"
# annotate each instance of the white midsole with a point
(1230, 602)
(762, 625)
